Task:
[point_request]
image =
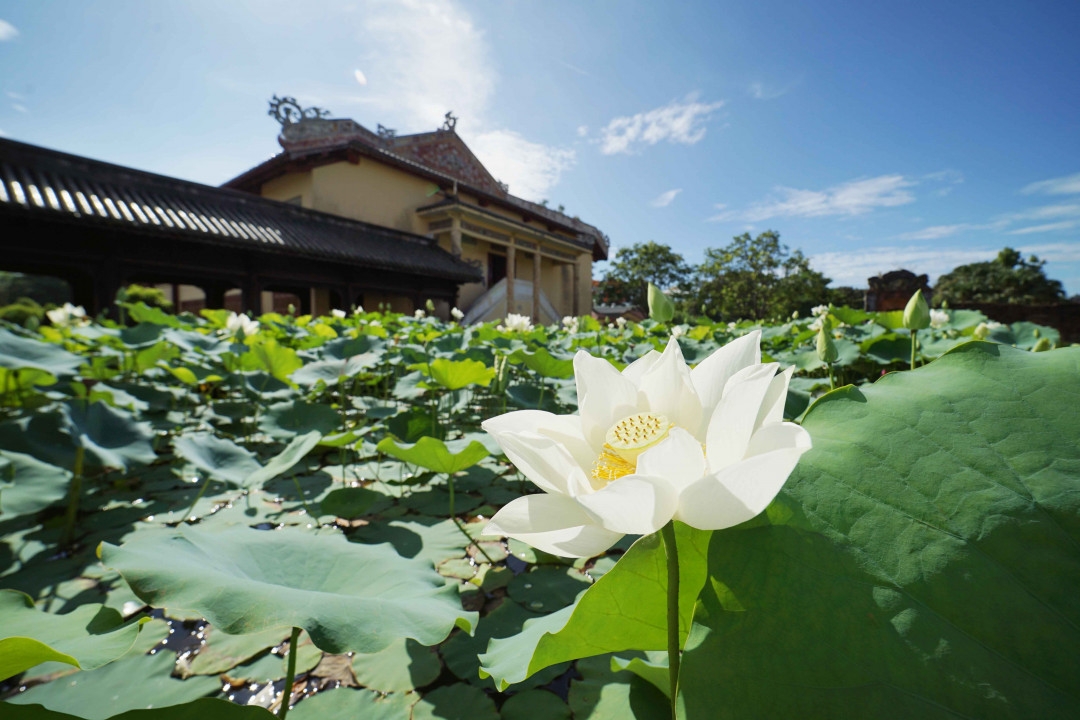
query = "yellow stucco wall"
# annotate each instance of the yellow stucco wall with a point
(289, 186)
(372, 192)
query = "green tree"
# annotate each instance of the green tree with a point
(1008, 278)
(628, 277)
(757, 279)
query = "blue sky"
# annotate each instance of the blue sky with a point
(872, 136)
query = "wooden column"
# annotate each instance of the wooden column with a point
(455, 236)
(536, 288)
(567, 300)
(511, 270)
(575, 290)
(251, 300)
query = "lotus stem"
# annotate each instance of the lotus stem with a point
(187, 515)
(673, 640)
(290, 675)
(73, 498)
(832, 380)
(914, 337)
(450, 484)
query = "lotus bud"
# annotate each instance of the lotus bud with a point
(1042, 345)
(826, 348)
(917, 312)
(429, 305)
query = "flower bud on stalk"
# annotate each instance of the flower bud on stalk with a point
(1042, 345)
(826, 348)
(916, 318)
(917, 312)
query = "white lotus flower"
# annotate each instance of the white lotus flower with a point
(656, 442)
(358, 310)
(620, 322)
(982, 330)
(339, 314)
(419, 314)
(938, 319)
(237, 323)
(516, 323)
(819, 310)
(570, 324)
(457, 314)
(677, 332)
(67, 314)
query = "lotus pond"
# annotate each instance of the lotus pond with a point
(197, 514)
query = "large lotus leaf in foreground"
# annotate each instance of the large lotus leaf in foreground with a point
(203, 708)
(625, 610)
(347, 596)
(923, 561)
(88, 637)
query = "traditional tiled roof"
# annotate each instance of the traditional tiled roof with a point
(440, 156)
(69, 188)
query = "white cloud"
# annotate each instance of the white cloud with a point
(7, 31)
(582, 130)
(1045, 212)
(665, 198)
(1048, 227)
(1067, 185)
(14, 95)
(954, 177)
(423, 58)
(575, 68)
(854, 197)
(760, 91)
(17, 107)
(853, 268)
(530, 169)
(676, 122)
(935, 232)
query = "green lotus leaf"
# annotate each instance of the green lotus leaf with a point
(351, 502)
(288, 419)
(136, 682)
(434, 454)
(267, 355)
(88, 637)
(226, 461)
(546, 364)
(601, 620)
(332, 371)
(456, 374)
(922, 560)
(403, 666)
(219, 458)
(19, 352)
(349, 597)
(112, 436)
(203, 708)
(140, 312)
(142, 335)
(661, 308)
(31, 485)
(24, 379)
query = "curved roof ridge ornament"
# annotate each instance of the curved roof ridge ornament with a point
(450, 121)
(287, 111)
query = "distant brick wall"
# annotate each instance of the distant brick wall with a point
(1065, 318)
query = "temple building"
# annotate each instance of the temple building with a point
(532, 260)
(342, 216)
